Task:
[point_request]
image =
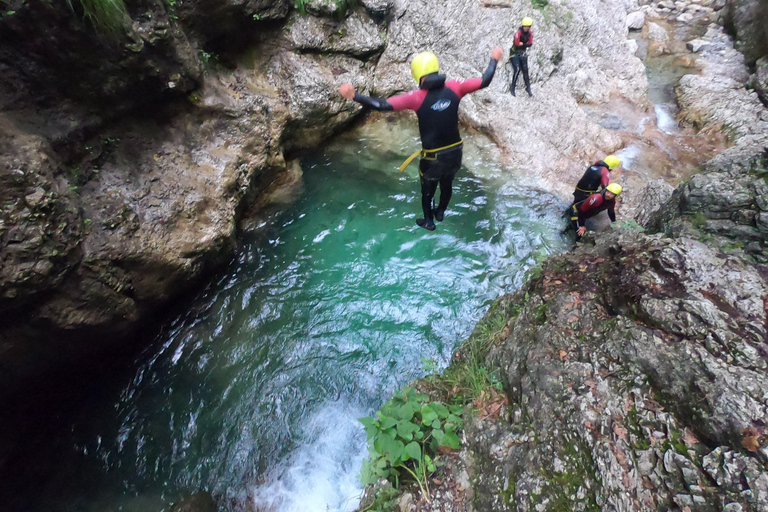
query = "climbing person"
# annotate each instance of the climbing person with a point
(436, 103)
(591, 206)
(595, 176)
(518, 55)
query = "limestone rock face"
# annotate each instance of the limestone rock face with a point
(107, 220)
(356, 35)
(215, 20)
(636, 378)
(727, 201)
(152, 61)
(559, 137)
(749, 22)
(40, 220)
(759, 81)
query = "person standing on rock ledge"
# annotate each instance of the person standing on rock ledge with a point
(518, 55)
(436, 103)
(591, 206)
(595, 176)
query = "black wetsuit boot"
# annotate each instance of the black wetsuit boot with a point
(428, 188)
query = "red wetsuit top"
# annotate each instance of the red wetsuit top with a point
(590, 207)
(436, 104)
(522, 40)
(437, 109)
(594, 177)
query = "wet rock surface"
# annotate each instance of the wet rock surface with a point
(636, 373)
(111, 213)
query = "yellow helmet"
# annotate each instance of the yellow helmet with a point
(423, 64)
(614, 188)
(527, 22)
(612, 161)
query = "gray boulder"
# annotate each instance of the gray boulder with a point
(749, 21)
(697, 45)
(759, 80)
(657, 33)
(635, 20)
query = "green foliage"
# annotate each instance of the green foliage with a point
(404, 438)
(699, 220)
(385, 500)
(540, 4)
(629, 224)
(108, 17)
(467, 376)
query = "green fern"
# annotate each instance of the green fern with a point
(108, 17)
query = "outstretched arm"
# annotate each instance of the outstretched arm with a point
(463, 87)
(491, 69)
(349, 92)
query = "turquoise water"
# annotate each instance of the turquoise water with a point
(332, 303)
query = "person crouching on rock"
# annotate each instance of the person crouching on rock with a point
(518, 55)
(595, 176)
(436, 103)
(594, 204)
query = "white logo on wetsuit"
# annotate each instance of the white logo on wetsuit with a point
(593, 200)
(441, 105)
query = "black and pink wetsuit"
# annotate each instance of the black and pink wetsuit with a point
(436, 104)
(519, 58)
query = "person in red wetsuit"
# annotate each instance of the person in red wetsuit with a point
(595, 177)
(518, 55)
(436, 103)
(594, 204)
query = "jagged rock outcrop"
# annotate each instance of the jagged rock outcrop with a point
(110, 213)
(635, 374)
(634, 368)
(728, 201)
(747, 20)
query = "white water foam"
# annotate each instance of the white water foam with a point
(664, 120)
(628, 155)
(321, 475)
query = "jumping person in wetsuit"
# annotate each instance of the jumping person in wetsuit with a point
(436, 103)
(591, 206)
(595, 177)
(518, 55)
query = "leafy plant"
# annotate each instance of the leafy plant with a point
(107, 16)
(540, 4)
(629, 224)
(405, 436)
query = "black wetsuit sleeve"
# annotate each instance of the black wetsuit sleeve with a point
(488, 75)
(374, 103)
(612, 212)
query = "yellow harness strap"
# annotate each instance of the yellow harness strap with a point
(425, 152)
(586, 191)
